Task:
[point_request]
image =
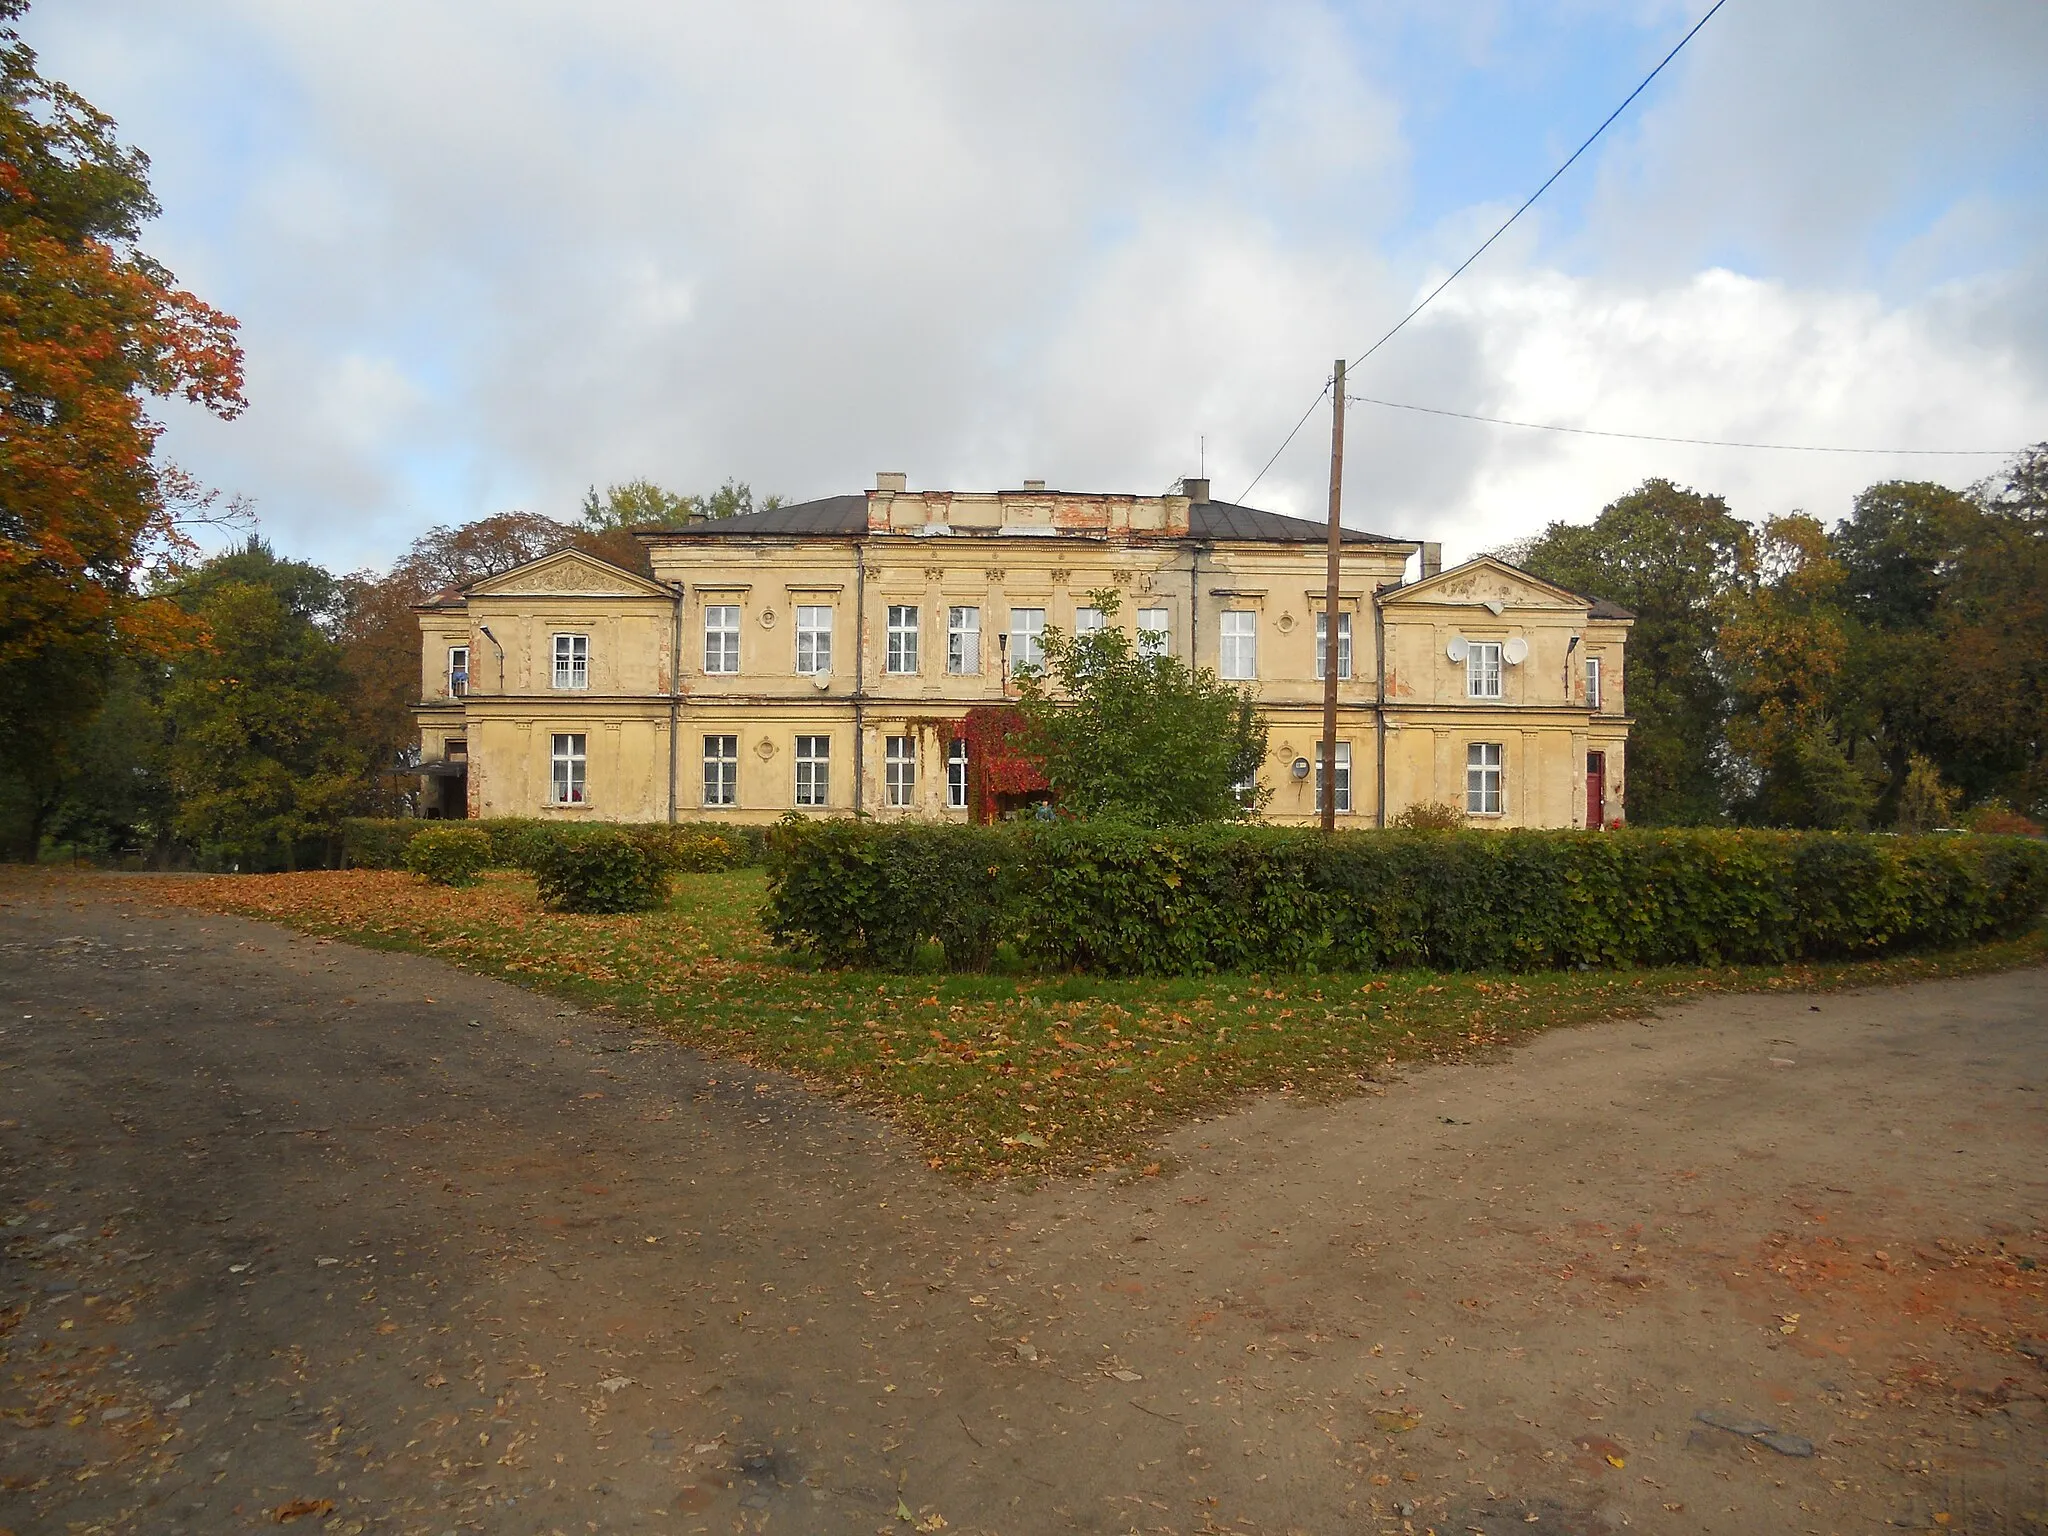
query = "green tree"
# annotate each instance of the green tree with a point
(644, 504)
(1671, 555)
(1143, 738)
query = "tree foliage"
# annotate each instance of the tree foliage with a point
(1137, 737)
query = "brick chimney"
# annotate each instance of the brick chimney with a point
(1195, 488)
(1432, 560)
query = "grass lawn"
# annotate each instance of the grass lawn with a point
(993, 1074)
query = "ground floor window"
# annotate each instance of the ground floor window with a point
(899, 770)
(721, 770)
(956, 774)
(1343, 778)
(1482, 778)
(569, 765)
(813, 769)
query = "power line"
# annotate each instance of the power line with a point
(1440, 287)
(1701, 442)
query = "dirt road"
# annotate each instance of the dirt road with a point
(300, 1234)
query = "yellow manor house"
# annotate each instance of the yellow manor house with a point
(821, 658)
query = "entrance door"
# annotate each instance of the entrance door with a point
(1596, 789)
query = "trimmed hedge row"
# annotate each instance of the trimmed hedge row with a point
(1100, 897)
(516, 842)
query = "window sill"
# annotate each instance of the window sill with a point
(566, 805)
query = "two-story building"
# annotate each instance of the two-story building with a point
(821, 657)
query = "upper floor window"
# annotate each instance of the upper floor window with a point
(567, 782)
(813, 642)
(1593, 682)
(1154, 636)
(1482, 778)
(963, 641)
(1240, 645)
(572, 661)
(956, 774)
(1482, 669)
(902, 655)
(1343, 645)
(721, 637)
(458, 671)
(1027, 638)
(1087, 620)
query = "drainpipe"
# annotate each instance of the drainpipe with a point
(860, 664)
(1379, 706)
(675, 694)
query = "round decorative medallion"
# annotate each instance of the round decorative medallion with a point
(764, 749)
(1286, 624)
(767, 618)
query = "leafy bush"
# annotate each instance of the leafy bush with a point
(1995, 816)
(449, 853)
(599, 869)
(1429, 816)
(372, 842)
(380, 843)
(1125, 900)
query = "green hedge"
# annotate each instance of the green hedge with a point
(516, 842)
(1128, 901)
(449, 853)
(601, 868)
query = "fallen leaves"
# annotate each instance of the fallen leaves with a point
(301, 1509)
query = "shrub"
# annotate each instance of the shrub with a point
(599, 869)
(1429, 816)
(380, 843)
(1125, 900)
(1925, 802)
(1995, 816)
(375, 842)
(449, 852)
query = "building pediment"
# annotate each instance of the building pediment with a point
(1486, 582)
(568, 573)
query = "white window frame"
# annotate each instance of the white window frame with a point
(1343, 778)
(1343, 646)
(572, 661)
(1155, 631)
(721, 770)
(1482, 669)
(956, 774)
(899, 771)
(722, 639)
(963, 641)
(1593, 683)
(900, 659)
(1027, 638)
(1485, 779)
(569, 768)
(813, 785)
(813, 639)
(1237, 646)
(1088, 620)
(1246, 787)
(458, 671)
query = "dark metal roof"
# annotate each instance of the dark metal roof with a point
(1224, 520)
(1603, 609)
(846, 516)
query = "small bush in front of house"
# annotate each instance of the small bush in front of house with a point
(1429, 816)
(449, 852)
(598, 869)
(1125, 900)
(378, 842)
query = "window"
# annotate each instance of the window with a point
(722, 637)
(1482, 669)
(813, 643)
(1027, 638)
(1343, 645)
(721, 770)
(956, 774)
(1154, 637)
(1482, 778)
(569, 766)
(1087, 620)
(813, 769)
(454, 747)
(1593, 682)
(1246, 787)
(902, 639)
(1343, 777)
(963, 641)
(1240, 647)
(458, 671)
(572, 661)
(899, 770)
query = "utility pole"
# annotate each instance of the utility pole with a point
(1329, 763)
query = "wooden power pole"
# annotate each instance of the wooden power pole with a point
(1330, 651)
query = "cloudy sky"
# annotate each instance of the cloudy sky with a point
(488, 252)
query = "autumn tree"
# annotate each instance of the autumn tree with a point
(90, 328)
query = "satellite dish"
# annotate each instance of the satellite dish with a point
(1516, 650)
(1457, 648)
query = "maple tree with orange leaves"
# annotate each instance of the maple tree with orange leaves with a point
(91, 328)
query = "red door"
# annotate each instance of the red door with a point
(1596, 789)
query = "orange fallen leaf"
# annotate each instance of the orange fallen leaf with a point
(297, 1509)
